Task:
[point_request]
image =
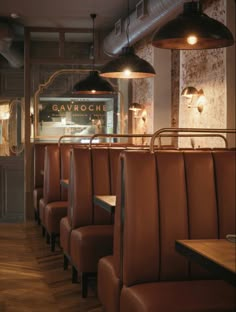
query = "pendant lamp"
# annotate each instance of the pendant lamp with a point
(93, 84)
(128, 65)
(191, 30)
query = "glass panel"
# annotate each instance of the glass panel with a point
(11, 128)
(59, 116)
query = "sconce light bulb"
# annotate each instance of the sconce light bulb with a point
(201, 100)
(192, 39)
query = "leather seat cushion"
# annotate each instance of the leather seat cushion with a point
(54, 212)
(183, 296)
(89, 244)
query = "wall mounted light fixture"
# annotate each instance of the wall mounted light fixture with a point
(135, 107)
(190, 93)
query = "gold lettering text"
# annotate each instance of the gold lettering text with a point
(83, 108)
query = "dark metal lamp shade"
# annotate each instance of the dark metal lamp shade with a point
(193, 30)
(128, 65)
(93, 84)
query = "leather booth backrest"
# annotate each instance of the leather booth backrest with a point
(64, 154)
(225, 189)
(93, 172)
(51, 185)
(56, 167)
(166, 196)
(101, 182)
(38, 164)
(80, 197)
(114, 155)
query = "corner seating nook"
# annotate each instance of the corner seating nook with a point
(86, 233)
(161, 197)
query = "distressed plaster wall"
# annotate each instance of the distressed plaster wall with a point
(205, 69)
(143, 93)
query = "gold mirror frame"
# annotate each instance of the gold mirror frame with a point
(50, 80)
(45, 85)
(13, 128)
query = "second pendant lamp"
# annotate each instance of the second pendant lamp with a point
(93, 84)
(128, 65)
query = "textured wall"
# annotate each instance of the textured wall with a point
(143, 93)
(205, 69)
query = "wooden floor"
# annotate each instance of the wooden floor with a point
(32, 277)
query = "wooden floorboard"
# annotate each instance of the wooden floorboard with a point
(32, 278)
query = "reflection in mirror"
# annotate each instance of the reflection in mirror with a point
(4, 116)
(16, 127)
(67, 114)
(11, 127)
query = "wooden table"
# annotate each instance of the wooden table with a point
(216, 255)
(64, 183)
(107, 202)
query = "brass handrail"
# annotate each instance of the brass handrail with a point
(72, 136)
(117, 135)
(193, 135)
(189, 130)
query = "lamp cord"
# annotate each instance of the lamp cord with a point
(93, 16)
(128, 23)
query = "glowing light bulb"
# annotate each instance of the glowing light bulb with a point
(127, 72)
(202, 100)
(93, 91)
(192, 39)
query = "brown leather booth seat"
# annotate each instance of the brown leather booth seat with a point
(86, 234)
(166, 196)
(53, 205)
(38, 177)
(81, 189)
(109, 268)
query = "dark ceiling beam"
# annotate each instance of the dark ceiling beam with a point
(59, 29)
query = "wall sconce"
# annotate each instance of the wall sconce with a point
(189, 93)
(135, 107)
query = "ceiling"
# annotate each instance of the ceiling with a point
(76, 14)
(56, 14)
(66, 14)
